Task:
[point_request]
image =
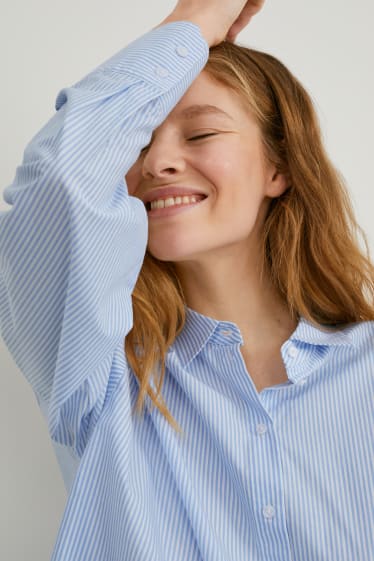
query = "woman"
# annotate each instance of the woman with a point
(238, 324)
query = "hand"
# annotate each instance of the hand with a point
(217, 19)
(250, 9)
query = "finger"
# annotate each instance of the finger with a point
(254, 6)
(250, 9)
(239, 24)
(235, 30)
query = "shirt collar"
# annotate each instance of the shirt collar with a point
(197, 330)
(200, 329)
(321, 335)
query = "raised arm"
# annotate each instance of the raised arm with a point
(73, 243)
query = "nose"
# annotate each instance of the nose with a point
(163, 159)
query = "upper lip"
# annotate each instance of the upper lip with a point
(170, 191)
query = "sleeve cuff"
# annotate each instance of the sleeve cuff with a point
(162, 57)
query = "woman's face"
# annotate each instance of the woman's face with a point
(228, 166)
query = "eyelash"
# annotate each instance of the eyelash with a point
(202, 135)
(192, 138)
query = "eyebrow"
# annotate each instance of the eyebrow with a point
(197, 110)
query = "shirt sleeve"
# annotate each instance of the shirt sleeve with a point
(73, 243)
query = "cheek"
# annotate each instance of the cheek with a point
(231, 173)
(223, 165)
(233, 163)
(219, 171)
(226, 167)
(132, 178)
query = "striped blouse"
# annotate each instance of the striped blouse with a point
(277, 475)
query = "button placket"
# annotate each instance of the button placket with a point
(268, 511)
(261, 429)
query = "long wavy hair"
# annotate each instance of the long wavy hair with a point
(311, 242)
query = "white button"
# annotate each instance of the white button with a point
(226, 332)
(292, 351)
(302, 382)
(268, 511)
(182, 51)
(162, 72)
(261, 428)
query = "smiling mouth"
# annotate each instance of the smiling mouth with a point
(172, 209)
(198, 199)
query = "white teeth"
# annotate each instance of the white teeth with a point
(171, 201)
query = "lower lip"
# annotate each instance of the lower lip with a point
(171, 210)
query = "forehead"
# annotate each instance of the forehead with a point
(206, 97)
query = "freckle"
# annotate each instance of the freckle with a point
(226, 165)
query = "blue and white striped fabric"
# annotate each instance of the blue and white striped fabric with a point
(284, 474)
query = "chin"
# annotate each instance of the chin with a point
(170, 254)
(165, 256)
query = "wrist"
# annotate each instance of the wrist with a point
(205, 29)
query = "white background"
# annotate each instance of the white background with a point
(47, 45)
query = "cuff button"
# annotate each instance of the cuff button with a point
(161, 72)
(182, 51)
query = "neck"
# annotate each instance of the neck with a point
(232, 289)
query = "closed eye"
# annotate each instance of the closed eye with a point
(203, 136)
(192, 138)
